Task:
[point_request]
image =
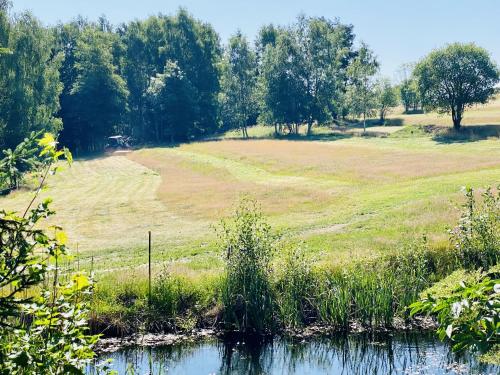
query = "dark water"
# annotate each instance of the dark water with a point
(350, 354)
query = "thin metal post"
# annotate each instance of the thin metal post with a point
(149, 267)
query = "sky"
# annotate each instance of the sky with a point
(398, 31)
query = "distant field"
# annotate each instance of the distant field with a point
(487, 114)
(341, 194)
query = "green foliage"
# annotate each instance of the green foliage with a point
(361, 100)
(294, 285)
(410, 96)
(386, 98)
(98, 95)
(29, 80)
(326, 49)
(171, 105)
(304, 72)
(247, 293)
(4, 28)
(56, 340)
(44, 334)
(16, 163)
(477, 235)
(456, 77)
(467, 304)
(281, 86)
(469, 317)
(20, 268)
(171, 65)
(31, 155)
(238, 84)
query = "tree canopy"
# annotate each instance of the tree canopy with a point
(168, 78)
(29, 80)
(239, 84)
(456, 77)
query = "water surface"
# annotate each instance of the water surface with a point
(346, 354)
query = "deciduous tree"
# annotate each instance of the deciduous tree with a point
(99, 94)
(238, 83)
(455, 77)
(361, 94)
(386, 97)
(29, 80)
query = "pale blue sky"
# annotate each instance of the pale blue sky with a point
(399, 31)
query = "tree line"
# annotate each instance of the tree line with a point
(170, 79)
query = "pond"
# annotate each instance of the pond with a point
(401, 353)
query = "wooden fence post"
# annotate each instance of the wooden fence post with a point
(149, 268)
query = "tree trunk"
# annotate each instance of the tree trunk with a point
(456, 115)
(364, 122)
(309, 127)
(276, 129)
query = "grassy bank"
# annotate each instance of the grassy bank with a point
(369, 294)
(272, 285)
(350, 202)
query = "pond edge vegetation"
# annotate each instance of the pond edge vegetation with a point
(271, 286)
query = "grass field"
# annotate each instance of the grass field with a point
(343, 195)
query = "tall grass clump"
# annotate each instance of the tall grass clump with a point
(414, 267)
(247, 292)
(294, 287)
(122, 305)
(332, 297)
(477, 235)
(372, 295)
(373, 292)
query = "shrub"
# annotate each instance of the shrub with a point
(47, 334)
(477, 236)
(470, 316)
(247, 293)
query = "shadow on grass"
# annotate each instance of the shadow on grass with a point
(464, 134)
(333, 133)
(87, 156)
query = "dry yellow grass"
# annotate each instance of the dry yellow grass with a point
(343, 196)
(481, 114)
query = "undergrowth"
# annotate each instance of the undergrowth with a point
(270, 285)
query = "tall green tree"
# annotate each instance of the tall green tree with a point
(455, 77)
(138, 69)
(362, 99)
(304, 71)
(195, 47)
(4, 27)
(326, 49)
(171, 105)
(238, 83)
(281, 84)
(66, 37)
(410, 96)
(99, 94)
(386, 97)
(267, 35)
(29, 78)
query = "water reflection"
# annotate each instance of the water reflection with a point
(348, 354)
